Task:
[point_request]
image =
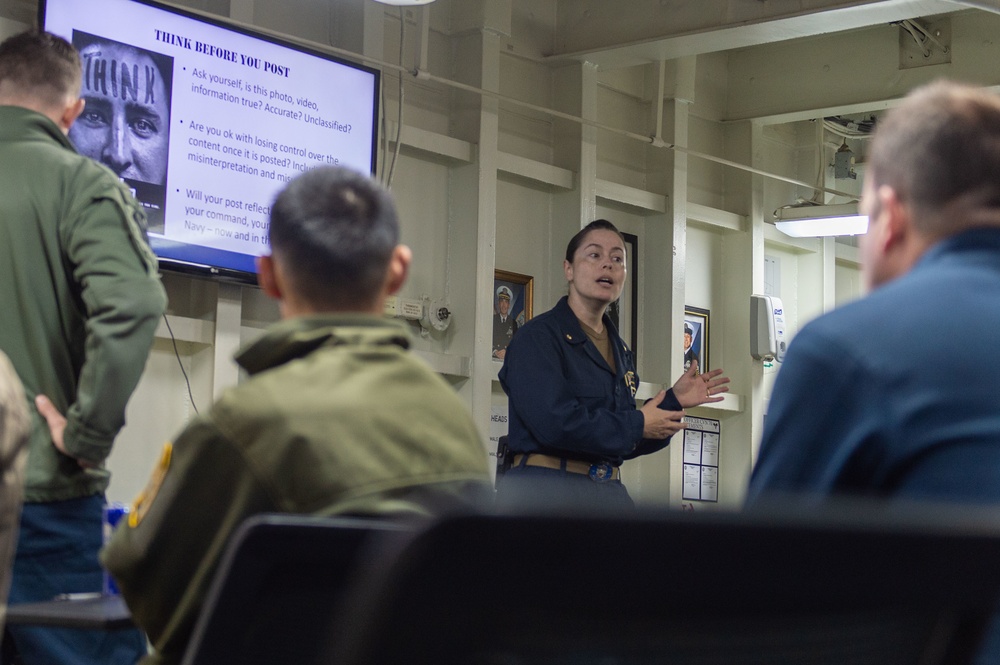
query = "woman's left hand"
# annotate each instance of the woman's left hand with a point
(693, 389)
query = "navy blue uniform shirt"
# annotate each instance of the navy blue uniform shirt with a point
(895, 394)
(563, 397)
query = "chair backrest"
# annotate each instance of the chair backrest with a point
(277, 589)
(845, 588)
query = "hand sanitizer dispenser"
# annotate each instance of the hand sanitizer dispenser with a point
(767, 328)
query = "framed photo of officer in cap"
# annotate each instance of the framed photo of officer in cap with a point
(512, 293)
(696, 337)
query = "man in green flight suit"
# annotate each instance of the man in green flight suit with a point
(336, 418)
(81, 299)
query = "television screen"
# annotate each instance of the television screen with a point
(205, 122)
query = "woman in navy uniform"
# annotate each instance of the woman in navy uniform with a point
(571, 384)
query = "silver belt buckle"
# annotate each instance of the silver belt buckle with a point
(601, 473)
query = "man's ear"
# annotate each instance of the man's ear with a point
(897, 226)
(70, 113)
(399, 269)
(266, 276)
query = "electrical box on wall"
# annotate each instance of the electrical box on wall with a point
(403, 308)
(767, 328)
(433, 316)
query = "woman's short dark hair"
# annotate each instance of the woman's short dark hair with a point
(577, 240)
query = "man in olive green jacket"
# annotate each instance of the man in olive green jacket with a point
(81, 301)
(337, 416)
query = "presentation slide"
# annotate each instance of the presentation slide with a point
(205, 123)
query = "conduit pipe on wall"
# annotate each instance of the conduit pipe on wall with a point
(655, 141)
(652, 140)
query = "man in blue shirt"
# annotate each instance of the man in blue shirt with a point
(898, 417)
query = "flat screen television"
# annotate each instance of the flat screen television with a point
(206, 121)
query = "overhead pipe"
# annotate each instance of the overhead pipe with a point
(655, 141)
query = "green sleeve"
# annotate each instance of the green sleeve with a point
(164, 554)
(122, 300)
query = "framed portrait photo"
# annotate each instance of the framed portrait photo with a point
(512, 295)
(696, 338)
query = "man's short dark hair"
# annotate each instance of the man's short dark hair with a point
(577, 240)
(41, 65)
(334, 230)
(940, 151)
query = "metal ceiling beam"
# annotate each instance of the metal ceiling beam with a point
(631, 32)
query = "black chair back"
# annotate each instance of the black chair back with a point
(839, 586)
(277, 589)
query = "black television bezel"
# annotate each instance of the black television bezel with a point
(225, 273)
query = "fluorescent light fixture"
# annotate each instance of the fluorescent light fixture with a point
(405, 3)
(821, 220)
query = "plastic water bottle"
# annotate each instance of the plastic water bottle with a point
(113, 512)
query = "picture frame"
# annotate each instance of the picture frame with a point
(697, 319)
(518, 290)
(624, 312)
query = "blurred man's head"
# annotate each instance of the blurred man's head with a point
(41, 72)
(334, 239)
(126, 122)
(933, 171)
